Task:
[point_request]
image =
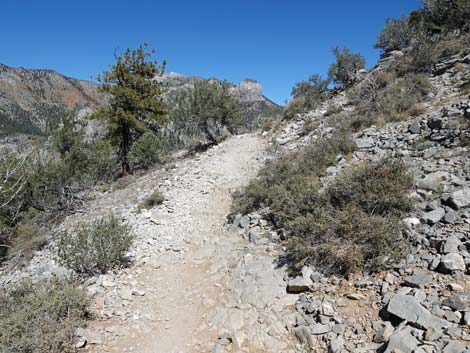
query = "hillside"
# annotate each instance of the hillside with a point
(339, 223)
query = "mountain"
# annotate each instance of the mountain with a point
(31, 98)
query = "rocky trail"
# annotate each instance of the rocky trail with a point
(194, 284)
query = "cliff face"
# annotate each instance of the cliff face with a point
(29, 99)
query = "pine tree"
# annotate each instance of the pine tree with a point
(136, 102)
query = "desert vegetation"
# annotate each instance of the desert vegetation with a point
(335, 227)
(95, 248)
(42, 317)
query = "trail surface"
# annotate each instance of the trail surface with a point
(195, 286)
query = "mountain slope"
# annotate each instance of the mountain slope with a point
(29, 99)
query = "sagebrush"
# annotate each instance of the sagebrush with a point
(95, 248)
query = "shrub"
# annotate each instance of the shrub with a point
(95, 248)
(41, 318)
(289, 185)
(202, 114)
(155, 199)
(386, 97)
(378, 188)
(313, 91)
(396, 34)
(351, 224)
(439, 16)
(355, 224)
(343, 72)
(146, 151)
(294, 106)
(344, 241)
(25, 240)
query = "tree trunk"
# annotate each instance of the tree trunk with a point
(124, 148)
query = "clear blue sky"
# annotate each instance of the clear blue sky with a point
(275, 42)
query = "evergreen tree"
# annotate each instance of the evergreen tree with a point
(136, 102)
(343, 71)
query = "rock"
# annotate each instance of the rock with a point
(303, 335)
(430, 182)
(460, 302)
(411, 222)
(415, 127)
(451, 217)
(336, 345)
(244, 222)
(466, 318)
(454, 347)
(301, 283)
(420, 278)
(125, 294)
(319, 329)
(253, 234)
(452, 262)
(435, 216)
(408, 308)
(365, 143)
(402, 341)
(436, 122)
(460, 198)
(433, 334)
(384, 333)
(451, 245)
(91, 337)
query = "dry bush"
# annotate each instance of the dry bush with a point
(386, 97)
(289, 185)
(41, 318)
(355, 224)
(155, 199)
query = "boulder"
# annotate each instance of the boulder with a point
(434, 216)
(460, 302)
(402, 341)
(408, 308)
(420, 278)
(302, 282)
(452, 262)
(384, 333)
(460, 198)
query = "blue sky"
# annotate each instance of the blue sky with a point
(275, 42)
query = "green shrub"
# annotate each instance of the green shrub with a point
(155, 199)
(95, 248)
(146, 151)
(343, 72)
(203, 113)
(41, 318)
(307, 95)
(396, 34)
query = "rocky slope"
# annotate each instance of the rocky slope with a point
(422, 303)
(31, 98)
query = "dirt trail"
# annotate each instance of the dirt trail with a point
(165, 302)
